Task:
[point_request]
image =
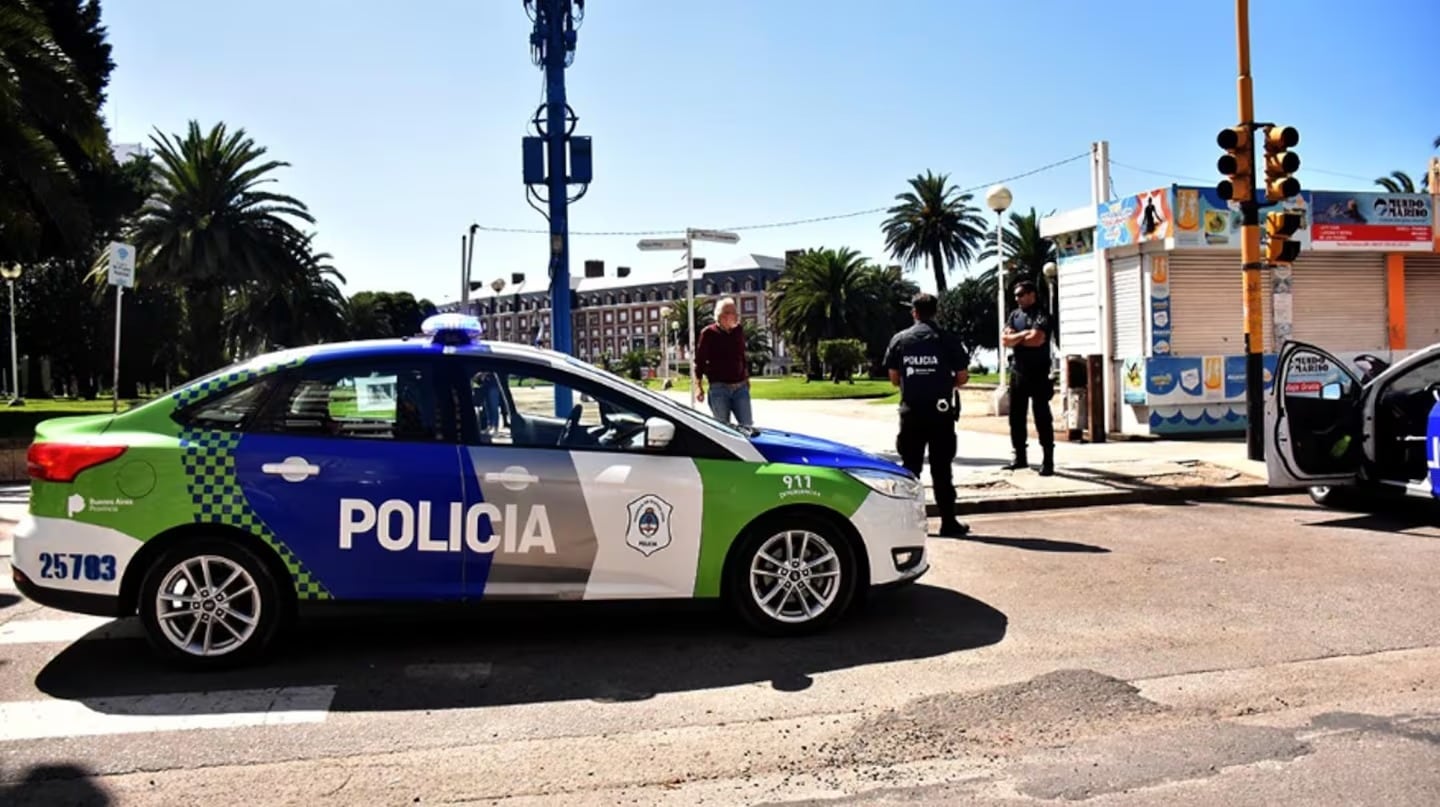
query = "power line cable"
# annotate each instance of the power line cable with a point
(792, 223)
(1210, 180)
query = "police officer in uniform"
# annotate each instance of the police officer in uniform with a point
(928, 365)
(1027, 334)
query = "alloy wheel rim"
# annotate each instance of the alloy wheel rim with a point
(208, 606)
(795, 576)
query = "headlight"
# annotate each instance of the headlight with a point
(888, 484)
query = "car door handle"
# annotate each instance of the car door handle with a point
(293, 469)
(512, 476)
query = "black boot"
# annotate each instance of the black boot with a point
(1019, 463)
(950, 528)
(1047, 463)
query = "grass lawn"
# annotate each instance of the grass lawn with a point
(18, 422)
(61, 407)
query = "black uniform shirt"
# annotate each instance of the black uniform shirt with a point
(1032, 361)
(928, 359)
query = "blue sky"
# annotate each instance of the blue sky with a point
(403, 128)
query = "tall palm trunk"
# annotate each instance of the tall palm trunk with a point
(938, 266)
(205, 315)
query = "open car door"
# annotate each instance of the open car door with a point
(1312, 420)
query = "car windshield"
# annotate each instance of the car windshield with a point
(655, 399)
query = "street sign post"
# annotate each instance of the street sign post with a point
(120, 259)
(688, 244)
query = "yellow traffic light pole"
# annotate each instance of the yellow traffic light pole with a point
(1250, 262)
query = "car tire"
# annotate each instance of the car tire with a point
(823, 580)
(242, 618)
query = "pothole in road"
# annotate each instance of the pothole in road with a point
(1053, 709)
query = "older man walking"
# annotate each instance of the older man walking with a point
(720, 358)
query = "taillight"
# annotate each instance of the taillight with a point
(62, 462)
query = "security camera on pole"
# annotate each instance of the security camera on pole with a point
(998, 199)
(687, 243)
(120, 259)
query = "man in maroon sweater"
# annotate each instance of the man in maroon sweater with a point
(720, 358)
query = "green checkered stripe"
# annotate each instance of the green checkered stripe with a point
(209, 461)
(188, 395)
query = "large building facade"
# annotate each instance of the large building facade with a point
(612, 316)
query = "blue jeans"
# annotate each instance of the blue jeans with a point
(726, 400)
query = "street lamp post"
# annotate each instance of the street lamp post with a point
(11, 273)
(998, 199)
(688, 244)
(1051, 272)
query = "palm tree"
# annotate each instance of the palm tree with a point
(936, 222)
(1397, 182)
(823, 294)
(758, 350)
(46, 113)
(305, 307)
(210, 231)
(679, 311)
(1026, 253)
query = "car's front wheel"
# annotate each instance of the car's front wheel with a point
(210, 603)
(792, 575)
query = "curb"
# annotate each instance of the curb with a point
(1014, 504)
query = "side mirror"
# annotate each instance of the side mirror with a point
(1330, 392)
(658, 432)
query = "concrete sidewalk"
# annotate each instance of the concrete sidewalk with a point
(1120, 471)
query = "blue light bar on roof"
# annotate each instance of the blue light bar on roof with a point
(453, 328)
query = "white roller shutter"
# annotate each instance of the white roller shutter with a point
(1079, 307)
(1128, 307)
(1422, 300)
(1207, 299)
(1340, 301)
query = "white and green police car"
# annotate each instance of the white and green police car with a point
(444, 468)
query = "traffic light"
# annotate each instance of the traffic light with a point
(1237, 164)
(1280, 163)
(1280, 225)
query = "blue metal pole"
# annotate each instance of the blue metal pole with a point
(555, 16)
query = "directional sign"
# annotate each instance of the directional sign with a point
(121, 261)
(662, 243)
(715, 235)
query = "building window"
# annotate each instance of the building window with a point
(624, 316)
(747, 305)
(609, 316)
(749, 284)
(729, 287)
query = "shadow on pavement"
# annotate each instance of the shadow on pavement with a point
(487, 655)
(1035, 544)
(7, 600)
(50, 785)
(1398, 520)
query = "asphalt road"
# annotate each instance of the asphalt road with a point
(1253, 652)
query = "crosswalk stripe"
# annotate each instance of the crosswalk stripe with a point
(240, 708)
(45, 631)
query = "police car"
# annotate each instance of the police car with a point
(444, 468)
(1345, 437)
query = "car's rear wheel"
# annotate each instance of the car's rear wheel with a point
(210, 603)
(792, 575)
